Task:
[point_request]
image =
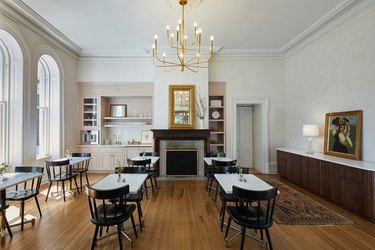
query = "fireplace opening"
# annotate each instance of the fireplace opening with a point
(182, 162)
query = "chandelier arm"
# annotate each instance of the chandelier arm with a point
(166, 62)
(195, 71)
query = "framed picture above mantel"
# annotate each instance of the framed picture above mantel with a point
(342, 134)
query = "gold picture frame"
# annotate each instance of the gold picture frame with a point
(342, 134)
(181, 106)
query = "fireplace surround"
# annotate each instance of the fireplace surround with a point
(177, 139)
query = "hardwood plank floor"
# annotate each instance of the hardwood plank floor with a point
(179, 215)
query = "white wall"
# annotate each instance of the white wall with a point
(34, 42)
(254, 79)
(334, 73)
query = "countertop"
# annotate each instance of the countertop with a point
(115, 145)
(364, 165)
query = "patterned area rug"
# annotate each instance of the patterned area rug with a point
(294, 208)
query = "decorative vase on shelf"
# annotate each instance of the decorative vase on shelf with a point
(200, 123)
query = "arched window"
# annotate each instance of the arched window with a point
(4, 61)
(11, 101)
(48, 113)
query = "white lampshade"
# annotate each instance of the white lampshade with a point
(310, 130)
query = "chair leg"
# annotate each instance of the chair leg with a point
(49, 188)
(22, 208)
(87, 178)
(119, 235)
(139, 214)
(80, 180)
(152, 184)
(261, 234)
(269, 238)
(134, 228)
(243, 231)
(37, 204)
(223, 206)
(63, 188)
(100, 231)
(6, 223)
(228, 226)
(75, 181)
(146, 189)
(94, 239)
(217, 190)
(156, 184)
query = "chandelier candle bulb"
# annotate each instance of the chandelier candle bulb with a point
(168, 31)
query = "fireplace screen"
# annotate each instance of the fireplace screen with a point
(182, 162)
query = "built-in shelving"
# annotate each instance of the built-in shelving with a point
(216, 117)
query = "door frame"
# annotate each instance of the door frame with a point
(264, 105)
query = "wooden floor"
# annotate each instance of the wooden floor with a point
(179, 215)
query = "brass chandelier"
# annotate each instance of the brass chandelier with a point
(188, 54)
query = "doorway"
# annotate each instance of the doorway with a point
(245, 136)
(259, 131)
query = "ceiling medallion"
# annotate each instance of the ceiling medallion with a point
(191, 4)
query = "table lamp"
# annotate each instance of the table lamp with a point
(310, 131)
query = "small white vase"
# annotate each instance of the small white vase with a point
(200, 123)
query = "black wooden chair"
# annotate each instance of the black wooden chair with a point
(256, 215)
(225, 198)
(60, 171)
(154, 168)
(82, 167)
(217, 169)
(3, 207)
(146, 163)
(138, 197)
(109, 208)
(27, 190)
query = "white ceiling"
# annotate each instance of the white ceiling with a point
(128, 26)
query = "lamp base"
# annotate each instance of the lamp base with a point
(309, 146)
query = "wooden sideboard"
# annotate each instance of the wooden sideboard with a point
(349, 184)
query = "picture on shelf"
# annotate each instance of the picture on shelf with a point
(118, 110)
(342, 135)
(147, 137)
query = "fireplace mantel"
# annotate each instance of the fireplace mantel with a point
(181, 134)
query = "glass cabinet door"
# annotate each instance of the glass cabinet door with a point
(90, 112)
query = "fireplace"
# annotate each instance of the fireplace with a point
(166, 140)
(182, 162)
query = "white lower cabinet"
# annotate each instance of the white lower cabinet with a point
(106, 158)
(110, 157)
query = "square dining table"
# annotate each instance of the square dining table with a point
(12, 179)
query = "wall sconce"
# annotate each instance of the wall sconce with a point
(310, 131)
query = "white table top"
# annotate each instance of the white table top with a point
(17, 178)
(135, 182)
(226, 181)
(208, 160)
(154, 159)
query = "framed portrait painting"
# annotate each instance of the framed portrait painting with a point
(342, 134)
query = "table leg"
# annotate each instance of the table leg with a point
(2, 221)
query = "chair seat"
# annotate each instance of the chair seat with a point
(63, 177)
(18, 195)
(114, 215)
(79, 170)
(135, 197)
(248, 217)
(228, 197)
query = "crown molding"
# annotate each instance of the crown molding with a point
(318, 24)
(220, 53)
(31, 15)
(357, 6)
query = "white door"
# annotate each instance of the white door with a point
(245, 136)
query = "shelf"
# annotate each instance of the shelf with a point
(126, 125)
(216, 145)
(127, 118)
(216, 120)
(216, 107)
(217, 132)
